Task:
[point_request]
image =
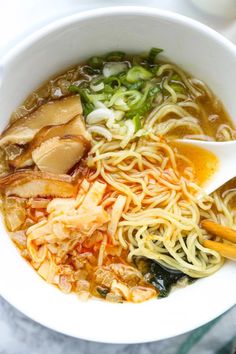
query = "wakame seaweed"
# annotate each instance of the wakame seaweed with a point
(160, 277)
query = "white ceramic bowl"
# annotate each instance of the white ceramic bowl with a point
(197, 49)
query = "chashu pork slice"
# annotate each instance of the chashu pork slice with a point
(58, 155)
(23, 130)
(75, 127)
(27, 184)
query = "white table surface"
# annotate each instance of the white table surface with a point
(21, 17)
(20, 335)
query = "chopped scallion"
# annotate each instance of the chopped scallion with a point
(137, 73)
(152, 54)
(138, 85)
(74, 89)
(153, 91)
(178, 88)
(137, 122)
(96, 62)
(175, 77)
(115, 56)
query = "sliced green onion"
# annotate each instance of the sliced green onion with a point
(137, 60)
(153, 91)
(152, 54)
(74, 89)
(140, 111)
(97, 85)
(88, 70)
(96, 62)
(145, 103)
(115, 56)
(114, 68)
(87, 108)
(99, 115)
(108, 89)
(97, 129)
(89, 101)
(112, 84)
(138, 85)
(175, 77)
(123, 80)
(114, 81)
(137, 122)
(137, 73)
(124, 100)
(154, 68)
(178, 88)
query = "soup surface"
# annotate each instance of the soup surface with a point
(98, 195)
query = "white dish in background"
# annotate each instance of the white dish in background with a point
(197, 49)
(222, 8)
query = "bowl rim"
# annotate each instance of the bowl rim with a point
(83, 16)
(114, 10)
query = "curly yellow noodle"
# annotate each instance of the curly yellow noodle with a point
(164, 206)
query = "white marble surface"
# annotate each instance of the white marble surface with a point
(20, 335)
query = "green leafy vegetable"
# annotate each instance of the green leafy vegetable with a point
(152, 54)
